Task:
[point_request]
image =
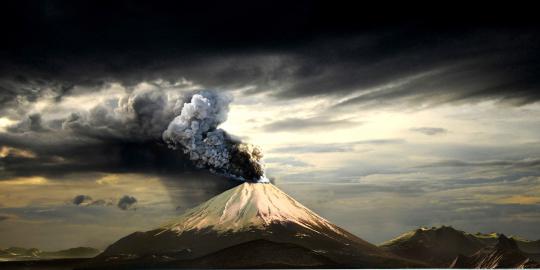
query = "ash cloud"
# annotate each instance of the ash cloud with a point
(132, 132)
(139, 116)
(196, 132)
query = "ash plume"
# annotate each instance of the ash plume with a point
(196, 132)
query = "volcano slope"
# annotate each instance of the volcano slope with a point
(246, 213)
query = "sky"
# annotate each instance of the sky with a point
(379, 119)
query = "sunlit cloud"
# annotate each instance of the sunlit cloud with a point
(519, 199)
(109, 179)
(23, 181)
(11, 151)
(5, 122)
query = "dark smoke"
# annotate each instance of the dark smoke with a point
(196, 131)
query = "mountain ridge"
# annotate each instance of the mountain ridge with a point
(445, 246)
(19, 253)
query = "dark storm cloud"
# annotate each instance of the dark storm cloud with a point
(60, 157)
(312, 123)
(296, 50)
(32, 123)
(429, 130)
(126, 202)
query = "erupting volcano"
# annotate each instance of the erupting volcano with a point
(255, 215)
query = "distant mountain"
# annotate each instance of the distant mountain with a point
(445, 246)
(532, 247)
(18, 253)
(78, 252)
(233, 225)
(505, 254)
(436, 246)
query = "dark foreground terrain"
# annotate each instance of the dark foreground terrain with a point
(54, 264)
(442, 247)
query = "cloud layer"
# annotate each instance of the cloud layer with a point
(314, 49)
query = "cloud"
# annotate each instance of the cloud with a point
(287, 161)
(359, 61)
(82, 199)
(89, 201)
(315, 148)
(6, 151)
(519, 199)
(126, 202)
(334, 147)
(523, 163)
(430, 131)
(32, 123)
(101, 202)
(26, 181)
(312, 123)
(109, 179)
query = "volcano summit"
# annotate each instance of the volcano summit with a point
(253, 220)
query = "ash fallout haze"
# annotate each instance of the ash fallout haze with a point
(343, 134)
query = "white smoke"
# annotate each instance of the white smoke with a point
(196, 131)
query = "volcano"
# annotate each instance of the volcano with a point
(243, 222)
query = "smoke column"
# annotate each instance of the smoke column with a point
(196, 132)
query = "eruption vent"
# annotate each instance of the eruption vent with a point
(196, 132)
